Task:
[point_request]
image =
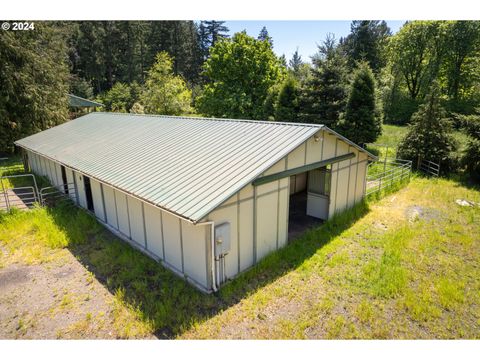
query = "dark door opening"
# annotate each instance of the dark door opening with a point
(309, 199)
(88, 193)
(64, 180)
(298, 220)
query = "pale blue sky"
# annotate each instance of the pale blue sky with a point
(288, 35)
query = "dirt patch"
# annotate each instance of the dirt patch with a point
(51, 301)
(13, 277)
(416, 212)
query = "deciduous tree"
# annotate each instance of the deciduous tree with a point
(165, 93)
(240, 70)
(286, 108)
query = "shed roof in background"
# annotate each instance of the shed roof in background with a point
(185, 165)
(77, 101)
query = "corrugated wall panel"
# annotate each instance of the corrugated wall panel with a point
(246, 234)
(31, 161)
(314, 149)
(194, 252)
(353, 178)
(342, 181)
(97, 199)
(136, 221)
(362, 169)
(153, 226)
(71, 182)
(172, 241)
(82, 200)
(283, 214)
(266, 224)
(110, 206)
(297, 157)
(122, 213)
(58, 173)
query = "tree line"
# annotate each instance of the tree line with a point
(353, 84)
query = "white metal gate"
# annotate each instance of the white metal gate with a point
(21, 197)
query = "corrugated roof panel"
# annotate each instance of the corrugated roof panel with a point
(77, 101)
(188, 166)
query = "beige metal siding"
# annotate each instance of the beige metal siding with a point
(153, 227)
(135, 213)
(361, 177)
(283, 213)
(97, 197)
(58, 173)
(110, 206)
(352, 177)
(315, 149)
(297, 157)
(82, 200)
(52, 176)
(122, 213)
(172, 241)
(246, 234)
(71, 183)
(266, 220)
(194, 252)
(342, 179)
(31, 161)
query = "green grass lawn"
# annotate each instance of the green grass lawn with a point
(405, 266)
(392, 135)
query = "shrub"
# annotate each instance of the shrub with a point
(286, 108)
(429, 135)
(471, 156)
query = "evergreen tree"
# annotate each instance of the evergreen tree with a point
(165, 93)
(295, 63)
(241, 70)
(362, 123)
(429, 134)
(203, 40)
(34, 82)
(106, 52)
(323, 97)
(286, 108)
(367, 42)
(270, 102)
(264, 36)
(216, 30)
(471, 156)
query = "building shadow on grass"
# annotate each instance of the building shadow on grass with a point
(167, 302)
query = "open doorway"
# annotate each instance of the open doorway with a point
(309, 200)
(64, 180)
(88, 193)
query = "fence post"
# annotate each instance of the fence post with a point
(5, 194)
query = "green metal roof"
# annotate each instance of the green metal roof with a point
(185, 165)
(77, 101)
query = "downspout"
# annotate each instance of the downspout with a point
(212, 239)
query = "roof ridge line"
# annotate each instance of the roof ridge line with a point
(214, 119)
